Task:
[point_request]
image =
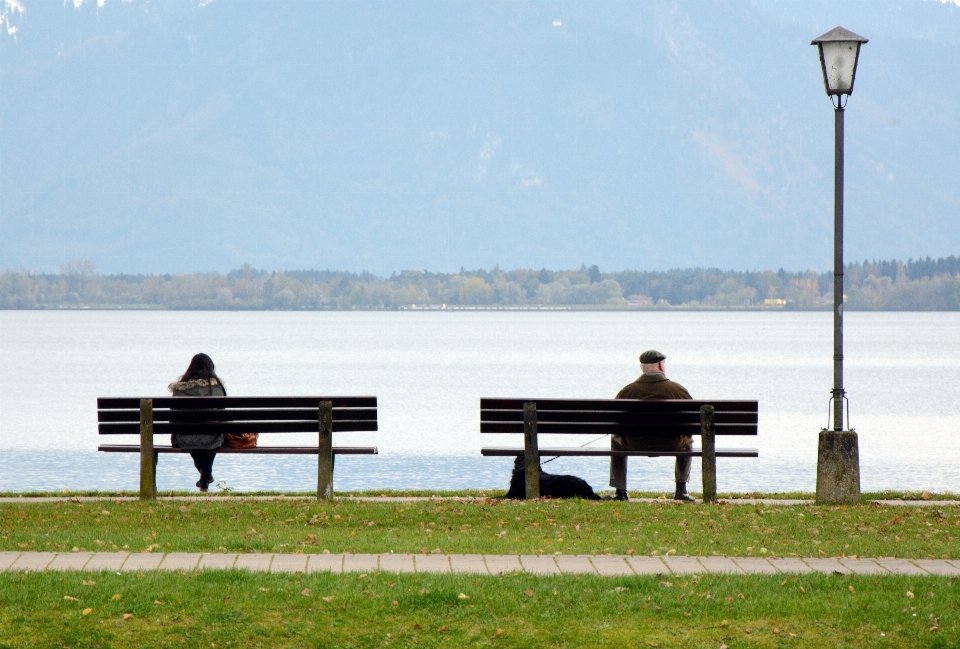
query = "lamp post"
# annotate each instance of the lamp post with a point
(838, 457)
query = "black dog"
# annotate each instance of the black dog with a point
(551, 486)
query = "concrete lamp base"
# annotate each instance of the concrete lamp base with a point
(838, 468)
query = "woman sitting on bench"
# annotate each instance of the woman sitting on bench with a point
(199, 380)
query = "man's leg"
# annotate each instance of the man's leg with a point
(618, 468)
(681, 473)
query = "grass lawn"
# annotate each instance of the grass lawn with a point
(484, 526)
(239, 609)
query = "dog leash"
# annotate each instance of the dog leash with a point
(581, 446)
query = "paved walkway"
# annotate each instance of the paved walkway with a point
(488, 564)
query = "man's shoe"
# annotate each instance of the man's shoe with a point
(681, 493)
(620, 495)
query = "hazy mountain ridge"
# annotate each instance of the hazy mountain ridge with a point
(154, 135)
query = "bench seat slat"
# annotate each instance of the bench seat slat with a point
(117, 403)
(554, 428)
(213, 428)
(576, 451)
(259, 450)
(621, 405)
(229, 414)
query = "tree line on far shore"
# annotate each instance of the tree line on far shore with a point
(915, 285)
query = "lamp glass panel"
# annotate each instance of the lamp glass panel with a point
(839, 58)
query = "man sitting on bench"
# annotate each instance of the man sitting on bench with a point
(652, 384)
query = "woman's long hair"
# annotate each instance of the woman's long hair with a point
(201, 367)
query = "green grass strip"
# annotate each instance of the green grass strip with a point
(239, 609)
(483, 526)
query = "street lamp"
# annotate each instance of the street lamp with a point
(838, 457)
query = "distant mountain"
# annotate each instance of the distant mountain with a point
(151, 136)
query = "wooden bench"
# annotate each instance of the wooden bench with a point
(211, 415)
(622, 417)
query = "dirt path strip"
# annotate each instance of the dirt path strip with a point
(769, 502)
(488, 564)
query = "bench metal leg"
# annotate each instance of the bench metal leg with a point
(709, 456)
(531, 454)
(148, 457)
(325, 454)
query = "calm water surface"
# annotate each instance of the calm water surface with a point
(430, 369)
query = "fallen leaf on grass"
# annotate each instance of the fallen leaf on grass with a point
(463, 596)
(723, 646)
(89, 583)
(87, 611)
(850, 588)
(528, 593)
(776, 630)
(265, 590)
(909, 594)
(157, 602)
(666, 584)
(498, 633)
(328, 598)
(127, 616)
(306, 592)
(417, 627)
(652, 644)
(442, 629)
(70, 599)
(116, 597)
(748, 630)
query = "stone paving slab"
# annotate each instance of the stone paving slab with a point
(188, 560)
(502, 563)
(863, 566)
(789, 564)
(70, 561)
(111, 561)
(720, 565)
(33, 561)
(539, 564)
(575, 564)
(432, 563)
(7, 559)
(468, 563)
(396, 563)
(828, 566)
(648, 565)
(142, 561)
(289, 563)
(325, 563)
(213, 562)
(901, 567)
(940, 568)
(684, 565)
(359, 562)
(254, 562)
(611, 566)
(754, 565)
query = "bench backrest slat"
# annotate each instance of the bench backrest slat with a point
(211, 415)
(290, 414)
(619, 416)
(182, 403)
(620, 405)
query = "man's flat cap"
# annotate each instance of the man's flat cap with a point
(651, 356)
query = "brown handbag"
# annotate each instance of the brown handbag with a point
(240, 440)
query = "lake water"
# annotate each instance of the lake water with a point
(429, 370)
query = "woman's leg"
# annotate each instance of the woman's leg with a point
(204, 464)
